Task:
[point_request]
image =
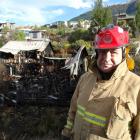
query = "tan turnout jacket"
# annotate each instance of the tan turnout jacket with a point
(105, 109)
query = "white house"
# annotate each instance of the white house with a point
(85, 24)
(26, 31)
(73, 24)
(37, 35)
(9, 25)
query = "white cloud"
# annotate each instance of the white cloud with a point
(46, 3)
(31, 13)
(69, 3)
(57, 12)
(79, 4)
(37, 11)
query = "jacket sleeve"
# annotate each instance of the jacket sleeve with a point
(68, 128)
(137, 120)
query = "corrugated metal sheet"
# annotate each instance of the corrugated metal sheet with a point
(16, 46)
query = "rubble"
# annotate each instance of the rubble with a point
(35, 97)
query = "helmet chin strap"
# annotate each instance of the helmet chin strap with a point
(96, 54)
(123, 53)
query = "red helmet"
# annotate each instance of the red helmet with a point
(111, 38)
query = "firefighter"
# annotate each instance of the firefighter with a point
(106, 102)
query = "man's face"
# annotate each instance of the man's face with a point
(108, 59)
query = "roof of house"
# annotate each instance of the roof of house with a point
(16, 46)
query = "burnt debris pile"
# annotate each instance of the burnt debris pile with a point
(50, 88)
(46, 80)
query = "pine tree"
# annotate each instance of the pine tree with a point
(101, 14)
(107, 16)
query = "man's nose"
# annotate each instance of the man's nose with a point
(108, 56)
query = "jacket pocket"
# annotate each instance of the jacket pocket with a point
(89, 135)
(95, 137)
(119, 120)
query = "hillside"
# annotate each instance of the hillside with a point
(129, 8)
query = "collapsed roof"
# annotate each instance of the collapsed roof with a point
(15, 47)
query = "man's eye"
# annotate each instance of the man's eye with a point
(114, 52)
(102, 52)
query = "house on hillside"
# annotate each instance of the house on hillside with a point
(58, 24)
(26, 31)
(127, 22)
(34, 34)
(85, 24)
(47, 25)
(9, 25)
(37, 35)
(124, 17)
(73, 24)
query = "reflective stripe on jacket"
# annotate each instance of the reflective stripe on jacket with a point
(104, 109)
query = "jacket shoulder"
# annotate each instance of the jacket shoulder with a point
(133, 75)
(87, 75)
(133, 78)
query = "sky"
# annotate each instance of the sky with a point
(40, 12)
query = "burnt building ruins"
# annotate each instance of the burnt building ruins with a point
(35, 76)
